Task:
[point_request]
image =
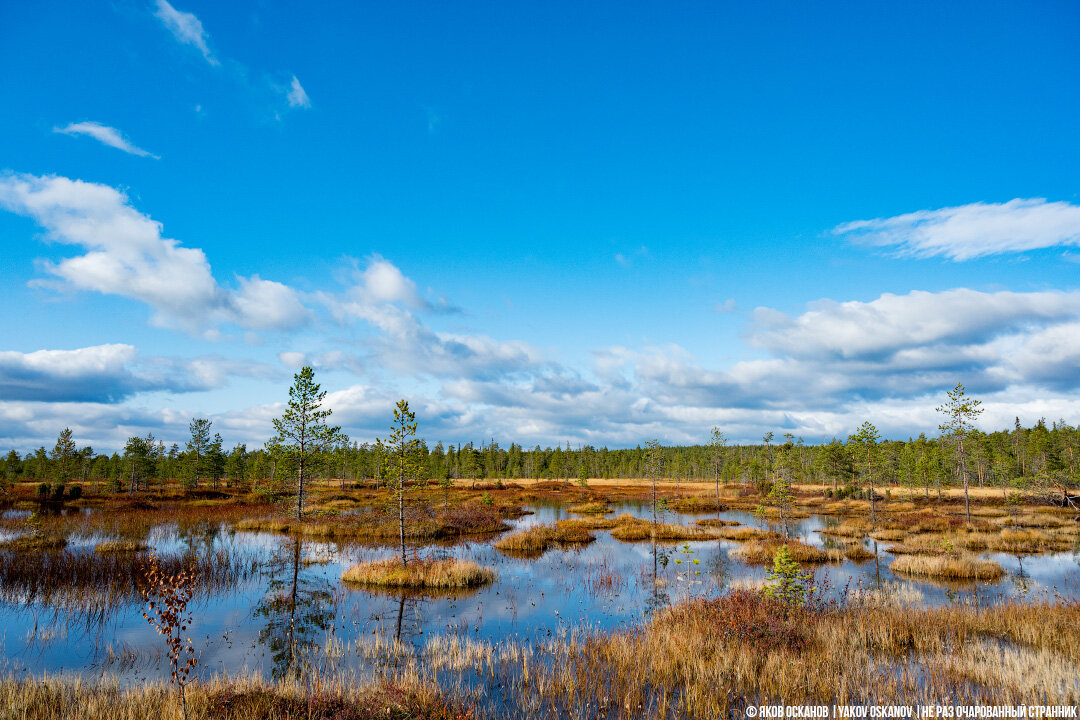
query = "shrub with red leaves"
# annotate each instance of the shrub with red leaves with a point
(760, 622)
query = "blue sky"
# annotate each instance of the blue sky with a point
(541, 223)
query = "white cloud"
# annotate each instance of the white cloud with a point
(106, 135)
(292, 359)
(185, 27)
(113, 373)
(384, 298)
(892, 323)
(125, 254)
(971, 231)
(297, 96)
(727, 306)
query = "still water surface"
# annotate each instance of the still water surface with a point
(294, 601)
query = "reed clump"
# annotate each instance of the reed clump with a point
(631, 529)
(589, 523)
(34, 542)
(120, 546)
(443, 574)
(762, 552)
(590, 508)
(950, 567)
(695, 504)
(538, 539)
(854, 528)
(744, 533)
(716, 523)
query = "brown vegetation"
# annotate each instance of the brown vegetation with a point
(538, 539)
(949, 567)
(441, 574)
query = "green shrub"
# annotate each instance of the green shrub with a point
(74, 492)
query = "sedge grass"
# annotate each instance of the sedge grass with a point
(949, 567)
(763, 552)
(120, 546)
(538, 539)
(631, 529)
(590, 508)
(438, 574)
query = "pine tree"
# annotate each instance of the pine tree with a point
(866, 437)
(786, 581)
(960, 412)
(406, 462)
(200, 440)
(63, 454)
(302, 431)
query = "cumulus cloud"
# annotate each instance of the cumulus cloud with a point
(895, 323)
(106, 135)
(821, 372)
(385, 299)
(970, 231)
(186, 28)
(126, 254)
(113, 373)
(297, 96)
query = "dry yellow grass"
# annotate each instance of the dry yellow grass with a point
(590, 508)
(119, 546)
(631, 529)
(224, 699)
(695, 504)
(447, 574)
(951, 567)
(717, 523)
(539, 538)
(762, 552)
(744, 533)
(856, 552)
(25, 543)
(276, 525)
(854, 527)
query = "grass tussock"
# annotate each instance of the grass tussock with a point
(538, 539)
(381, 525)
(590, 508)
(34, 542)
(853, 528)
(631, 529)
(588, 523)
(948, 567)
(856, 552)
(762, 552)
(889, 535)
(267, 524)
(743, 534)
(695, 504)
(120, 546)
(440, 574)
(716, 523)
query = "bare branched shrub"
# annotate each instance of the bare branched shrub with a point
(167, 595)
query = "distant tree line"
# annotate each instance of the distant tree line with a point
(1043, 459)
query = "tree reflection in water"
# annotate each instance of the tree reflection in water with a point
(299, 608)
